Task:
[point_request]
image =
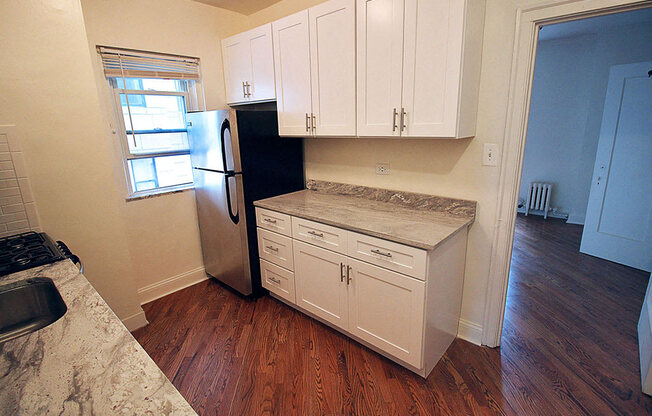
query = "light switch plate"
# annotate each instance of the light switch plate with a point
(490, 154)
(382, 168)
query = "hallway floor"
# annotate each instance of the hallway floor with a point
(569, 347)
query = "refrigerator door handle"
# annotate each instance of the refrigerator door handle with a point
(235, 218)
(226, 125)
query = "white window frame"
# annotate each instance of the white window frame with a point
(190, 96)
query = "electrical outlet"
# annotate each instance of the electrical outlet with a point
(490, 154)
(382, 168)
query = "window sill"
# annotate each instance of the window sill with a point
(160, 192)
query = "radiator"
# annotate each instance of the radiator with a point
(538, 197)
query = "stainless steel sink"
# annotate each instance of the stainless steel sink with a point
(27, 306)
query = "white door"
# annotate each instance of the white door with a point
(237, 68)
(262, 63)
(332, 59)
(618, 224)
(431, 68)
(386, 310)
(291, 41)
(379, 66)
(321, 287)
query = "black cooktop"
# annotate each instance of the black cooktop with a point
(24, 251)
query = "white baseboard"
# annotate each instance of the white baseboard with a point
(135, 321)
(171, 284)
(470, 331)
(575, 219)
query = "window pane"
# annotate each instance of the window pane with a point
(153, 112)
(152, 84)
(159, 172)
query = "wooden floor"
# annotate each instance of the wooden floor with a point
(569, 347)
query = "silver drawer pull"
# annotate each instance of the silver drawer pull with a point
(316, 234)
(277, 281)
(272, 248)
(375, 251)
(269, 220)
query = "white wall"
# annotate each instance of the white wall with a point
(49, 94)
(570, 82)
(55, 94)
(162, 233)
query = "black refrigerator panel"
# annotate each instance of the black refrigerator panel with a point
(271, 165)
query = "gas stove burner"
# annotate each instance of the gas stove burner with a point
(27, 250)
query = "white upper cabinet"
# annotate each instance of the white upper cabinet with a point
(418, 67)
(379, 59)
(292, 68)
(332, 64)
(314, 57)
(249, 66)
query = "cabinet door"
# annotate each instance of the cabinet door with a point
(431, 69)
(237, 67)
(321, 286)
(262, 63)
(379, 69)
(386, 310)
(292, 72)
(332, 59)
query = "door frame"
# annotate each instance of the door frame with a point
(528, 21)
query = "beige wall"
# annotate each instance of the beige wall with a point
(442, 167)
(49, 93)
(162, 234)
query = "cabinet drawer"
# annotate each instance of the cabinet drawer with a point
(277, 280)
(321, 235)
(274, 221)
(275, 248)
(398, 257)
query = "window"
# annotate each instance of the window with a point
(151, 112)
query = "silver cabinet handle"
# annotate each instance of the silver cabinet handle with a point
(316, 234)
(248, 85)
(403, 117)
(375, 251)
(269, 220)
(314, 127)
(348, 275)
(244, 90)
(307, 119)
(341, 272)
(272, 248)
(277, 281)
(394, 114)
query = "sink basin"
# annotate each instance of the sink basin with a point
(27, 306)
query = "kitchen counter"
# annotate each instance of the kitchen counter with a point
(87, 362)
(417, 220)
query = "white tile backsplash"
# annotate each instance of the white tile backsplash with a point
(18, 211)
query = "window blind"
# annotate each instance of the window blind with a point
(127, 63)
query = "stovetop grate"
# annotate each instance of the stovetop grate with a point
(23, 251)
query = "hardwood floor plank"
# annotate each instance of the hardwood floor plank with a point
(569, 348)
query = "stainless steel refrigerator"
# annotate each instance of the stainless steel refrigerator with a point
(238, 157)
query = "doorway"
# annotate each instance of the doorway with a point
(521, 88)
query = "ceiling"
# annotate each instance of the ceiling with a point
(246, 7)
(594, 24)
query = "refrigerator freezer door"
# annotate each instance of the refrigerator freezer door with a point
(213, 141)
(223, 228)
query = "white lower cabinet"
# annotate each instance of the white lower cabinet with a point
(322, 287)
(406, 305)
(386, 310)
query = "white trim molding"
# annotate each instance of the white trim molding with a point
(470, 331)
(171, 284)
(528, 21)
(135, 321)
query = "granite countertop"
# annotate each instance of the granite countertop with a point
(87, 362)
(417, 220)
